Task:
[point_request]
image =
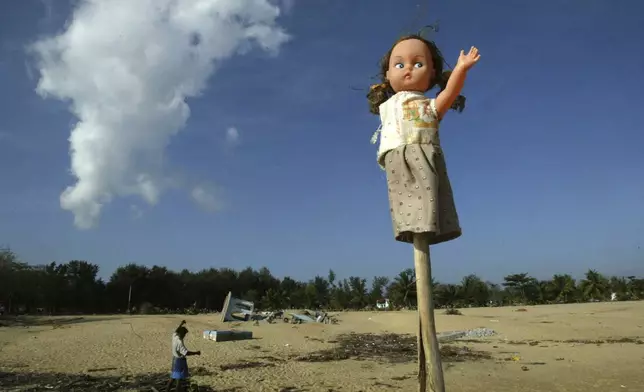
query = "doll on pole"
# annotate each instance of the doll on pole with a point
(421, 202)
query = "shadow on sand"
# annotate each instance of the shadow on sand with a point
(36, 382)
(54, 321)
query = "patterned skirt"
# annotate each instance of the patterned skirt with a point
(420, 195)
(179, 369)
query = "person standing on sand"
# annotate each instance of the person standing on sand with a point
(179, 372)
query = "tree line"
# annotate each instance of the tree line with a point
(74, 287)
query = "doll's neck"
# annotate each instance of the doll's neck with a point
(411, 92)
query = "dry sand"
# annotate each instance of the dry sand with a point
(545, 348)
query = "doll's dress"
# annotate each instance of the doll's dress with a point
(420, 194)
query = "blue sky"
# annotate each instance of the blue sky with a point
(546, 161)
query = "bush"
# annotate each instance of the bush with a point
(146, 308)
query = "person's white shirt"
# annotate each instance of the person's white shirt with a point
(179, 349)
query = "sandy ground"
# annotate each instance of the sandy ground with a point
(544, 348)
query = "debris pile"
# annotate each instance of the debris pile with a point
(393, 348)
(309, 316)
(235, 309)
(478, 333)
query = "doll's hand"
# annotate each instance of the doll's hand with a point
(467, 61)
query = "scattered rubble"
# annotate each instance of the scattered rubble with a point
(309, 316)
(480, 333)
(235, 309)
(393, 348)
(573, 342)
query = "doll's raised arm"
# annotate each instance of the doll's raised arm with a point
(456, 80)
(452, 90)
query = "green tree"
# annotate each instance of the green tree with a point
(331, 278)
(402, 291)
(563, 288)
(473, 291)
(378, 287)
(636, 287)
(358, 292)
(11, 276)
(447, 295)
(74, 286)
(272, 300)
(520, 285)
(595, 286)
(619, 286)
(497, 295)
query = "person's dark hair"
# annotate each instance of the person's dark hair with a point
(381, 92)
(181, 330)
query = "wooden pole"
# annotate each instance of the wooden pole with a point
(427, 340)
(129, 298)
(422, 365)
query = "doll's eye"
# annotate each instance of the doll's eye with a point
(418, 65)
(399, 65)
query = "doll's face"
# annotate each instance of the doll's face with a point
(410, 66)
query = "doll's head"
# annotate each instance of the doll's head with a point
(412, 64)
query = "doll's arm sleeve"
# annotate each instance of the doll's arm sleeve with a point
(432, 108)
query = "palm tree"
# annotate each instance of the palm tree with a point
(594, 286)
(619, 286)
(474, 291)
(563, 287)
(496, 294)
(358, 291)
(447, 295)
(519, 284)
(636, 287)
(403, 289)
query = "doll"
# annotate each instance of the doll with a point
(420, 196)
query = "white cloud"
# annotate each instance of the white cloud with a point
(232, 136)
(126, 68)
(207, 197)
